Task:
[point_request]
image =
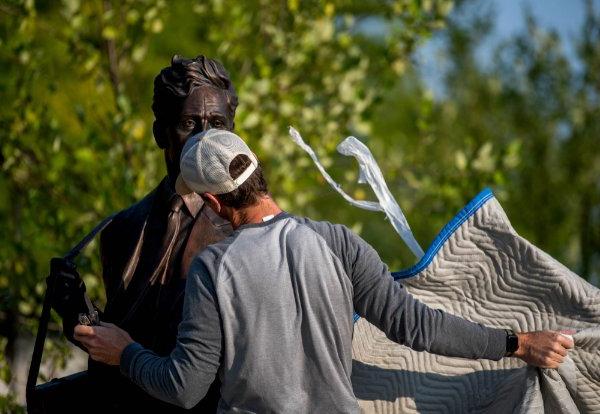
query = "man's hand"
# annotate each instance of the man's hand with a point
(105, 343)
(545, 349)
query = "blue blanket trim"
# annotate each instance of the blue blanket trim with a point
(462, 216)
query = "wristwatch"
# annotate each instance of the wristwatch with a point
(512, 342)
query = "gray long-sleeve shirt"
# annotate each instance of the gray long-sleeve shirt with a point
(270, 310)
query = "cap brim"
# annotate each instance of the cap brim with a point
(181, 187)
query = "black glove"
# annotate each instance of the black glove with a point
(67, 299)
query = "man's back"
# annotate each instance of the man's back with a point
(285, 302)
(270, 310)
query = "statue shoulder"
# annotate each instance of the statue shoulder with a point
(129, 219)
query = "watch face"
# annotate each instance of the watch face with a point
(512, 343)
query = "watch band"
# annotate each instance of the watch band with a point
(512, 342)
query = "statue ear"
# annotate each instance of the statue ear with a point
(160, 134)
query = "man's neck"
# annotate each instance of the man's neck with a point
(255, 214)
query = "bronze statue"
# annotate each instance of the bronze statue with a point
(147, 249)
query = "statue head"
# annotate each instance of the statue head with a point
(190, 96)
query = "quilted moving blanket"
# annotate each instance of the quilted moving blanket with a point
(478, 267)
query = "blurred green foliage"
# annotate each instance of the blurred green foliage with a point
(524, 123)
(76, 126)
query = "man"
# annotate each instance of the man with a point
(270, 308)
(147, 249)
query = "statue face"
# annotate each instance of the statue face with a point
(206, 107)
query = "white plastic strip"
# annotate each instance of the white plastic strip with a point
(369, 173)
(367, 205)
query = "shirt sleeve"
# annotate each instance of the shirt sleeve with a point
(183, 378)
(386, 304)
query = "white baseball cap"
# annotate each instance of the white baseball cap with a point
(205, 160)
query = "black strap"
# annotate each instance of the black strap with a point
(74, 252)
(38, 348)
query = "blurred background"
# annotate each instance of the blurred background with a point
(450, 96)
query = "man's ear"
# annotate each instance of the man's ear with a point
(213, 202)
(160, 134)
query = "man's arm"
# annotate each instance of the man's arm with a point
(386, 304)
(182, 378)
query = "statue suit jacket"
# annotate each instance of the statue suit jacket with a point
(130, 251)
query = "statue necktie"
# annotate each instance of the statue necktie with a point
(161, 272)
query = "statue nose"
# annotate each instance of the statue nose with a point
(200, 127)
(205, 124)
